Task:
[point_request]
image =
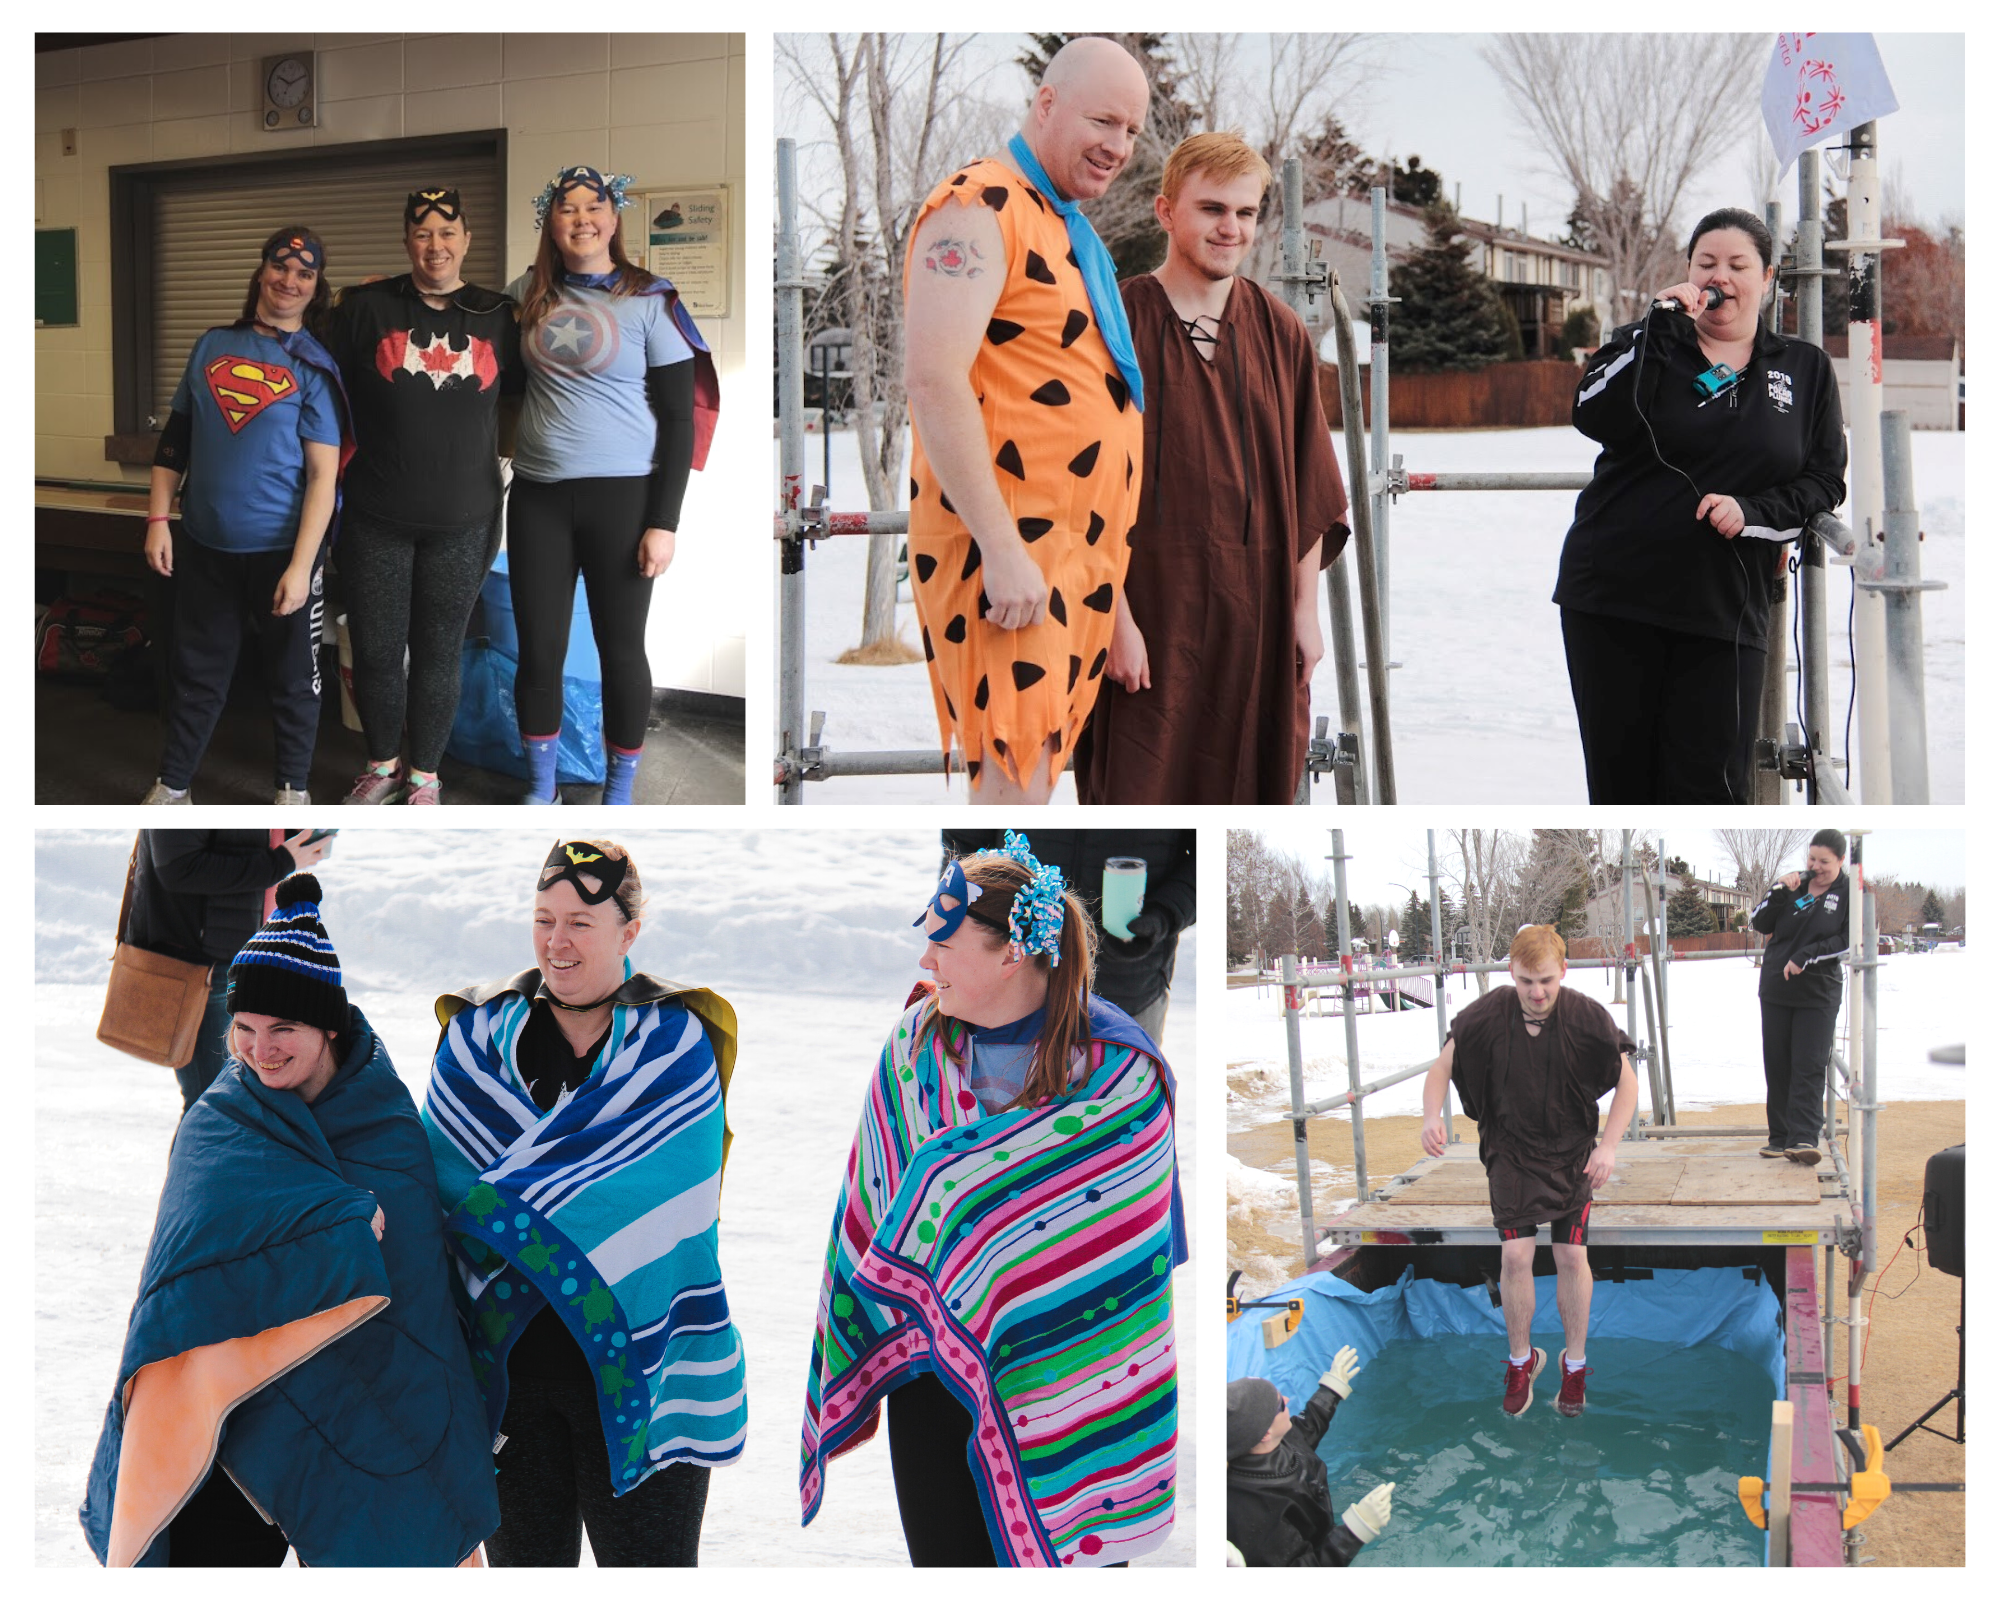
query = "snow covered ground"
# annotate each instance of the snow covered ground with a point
(1481, 698)
(1713, 1037)
(806, 933)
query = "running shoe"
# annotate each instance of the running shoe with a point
(1772, 1152)
(1806, 1155)
(161, 795)
(1521, 1383)
(429, 793)
(1569, 1403)
(375, 788)
(286, 795)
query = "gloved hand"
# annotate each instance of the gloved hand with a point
(1148, 928)
(1340, 1376)
(1369, 1515)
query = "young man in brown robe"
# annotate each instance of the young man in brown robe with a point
(1241, 505)
(1531, 1061)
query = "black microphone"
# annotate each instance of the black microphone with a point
(1711, 298)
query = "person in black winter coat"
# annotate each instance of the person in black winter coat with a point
(198, 894)
(1799, 991)
(1134, 973)
(1280, 1506)
(1721, 440)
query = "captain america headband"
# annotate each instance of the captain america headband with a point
(569, 862)
(1034, 924)
(297, 247)
(610, 188)
(421, 202)
(954, 888)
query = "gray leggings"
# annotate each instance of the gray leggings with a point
(409, 587)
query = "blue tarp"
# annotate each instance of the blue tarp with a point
(1707, 1305)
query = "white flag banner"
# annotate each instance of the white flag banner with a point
(1818, 86)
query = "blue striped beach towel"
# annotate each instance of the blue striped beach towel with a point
(604, 1208)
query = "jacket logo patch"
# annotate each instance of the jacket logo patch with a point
(1832, 904)
(1780, 387)
(242, 388)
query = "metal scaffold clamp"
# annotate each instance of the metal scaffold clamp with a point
(1324, 753)
(1789, 757)
(1312, 275)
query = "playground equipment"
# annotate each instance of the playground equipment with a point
(1682, 1198)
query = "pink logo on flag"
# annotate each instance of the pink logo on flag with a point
(1818, 86)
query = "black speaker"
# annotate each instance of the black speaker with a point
(1944, 1210)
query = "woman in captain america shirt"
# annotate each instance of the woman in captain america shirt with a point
(621, 402)
(253, 446)
(1720, 438)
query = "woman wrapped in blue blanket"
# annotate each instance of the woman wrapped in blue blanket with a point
(1002, 1252)
(294, 1371)
(576, 1114)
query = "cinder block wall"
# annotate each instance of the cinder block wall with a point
(666, 107)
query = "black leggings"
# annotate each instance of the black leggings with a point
(219, 1528)
(554, 1479)
(414, 588)
(1665, 716)
(1798, 1041)
(943, 1523)
(555, 531)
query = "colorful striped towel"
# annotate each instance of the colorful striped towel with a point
(604, 1208)
(1026, 1258)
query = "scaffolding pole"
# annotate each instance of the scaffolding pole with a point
(1901, 586)
(790, 293)
(1288, 967)
(1347, 1012)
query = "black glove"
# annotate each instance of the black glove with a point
(1149, 929)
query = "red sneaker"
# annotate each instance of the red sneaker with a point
(1569, 1403)
(1521, 1383)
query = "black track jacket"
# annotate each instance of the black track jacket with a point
(1773, 442)
(1280, 1509)
(1809, 929)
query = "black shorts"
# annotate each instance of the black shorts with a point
(1571, 1229)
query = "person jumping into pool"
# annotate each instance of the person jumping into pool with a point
(1280, 1505)
(1531, 1061)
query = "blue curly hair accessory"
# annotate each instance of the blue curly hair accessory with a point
(1035, 922)
(608, 186)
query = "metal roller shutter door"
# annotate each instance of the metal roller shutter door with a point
(210, 224)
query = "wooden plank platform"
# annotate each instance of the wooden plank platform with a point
(1687, 1191)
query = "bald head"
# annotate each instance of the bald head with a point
(1087, 116)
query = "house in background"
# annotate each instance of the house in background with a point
(1920, 375)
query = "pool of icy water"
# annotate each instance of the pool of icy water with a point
(1646, 1476)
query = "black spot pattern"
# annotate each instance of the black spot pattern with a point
(1096, 529)
(926, 565)
(1009, 460)
(1100, 598)
(1128, 469)
(999, 747)
(985, 605)
(950, 710)
(1052, 393)
(946, 503)
(1038, 269)
(954, 630)
(995, 196)
(913, 491)
(929, 653)
(972, 770)
(971, 562)
(1119, 393)
(1056, 607)
(984, 691)
(1075, 666)
(1085, 462)
(1000, 330)
(1097, 666)
(1040, 204)
(1074, 326)
(1026, 674)
(1032, 528)
(1070, 257)
(958, 179)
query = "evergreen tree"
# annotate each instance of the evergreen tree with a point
(1416, 930)
(1450, 318)
(1688, 914)
(1933, 907)
(1329, 924)
(1312, 946)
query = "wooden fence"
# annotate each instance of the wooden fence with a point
(1510, 394)
(1579, 948)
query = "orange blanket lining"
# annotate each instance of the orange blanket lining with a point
(174, 1410)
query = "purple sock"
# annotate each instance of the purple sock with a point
(620, 768)
(541, 769)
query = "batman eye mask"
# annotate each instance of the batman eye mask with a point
(950, 901)
(425, 201)
(576, 863)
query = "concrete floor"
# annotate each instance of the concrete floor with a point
(87, 752)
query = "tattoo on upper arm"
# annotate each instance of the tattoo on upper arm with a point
(955, 258)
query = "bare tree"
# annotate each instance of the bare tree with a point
(1759, 853)
(1489, 860)
(1628, 120)
(897, 109)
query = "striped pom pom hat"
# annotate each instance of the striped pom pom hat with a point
(289, 968)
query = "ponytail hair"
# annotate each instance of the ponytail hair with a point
(1066, 1021)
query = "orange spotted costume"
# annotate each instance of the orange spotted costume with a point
(1065, 439)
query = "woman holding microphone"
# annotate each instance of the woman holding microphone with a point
(1799, 990)
(1717, 433)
